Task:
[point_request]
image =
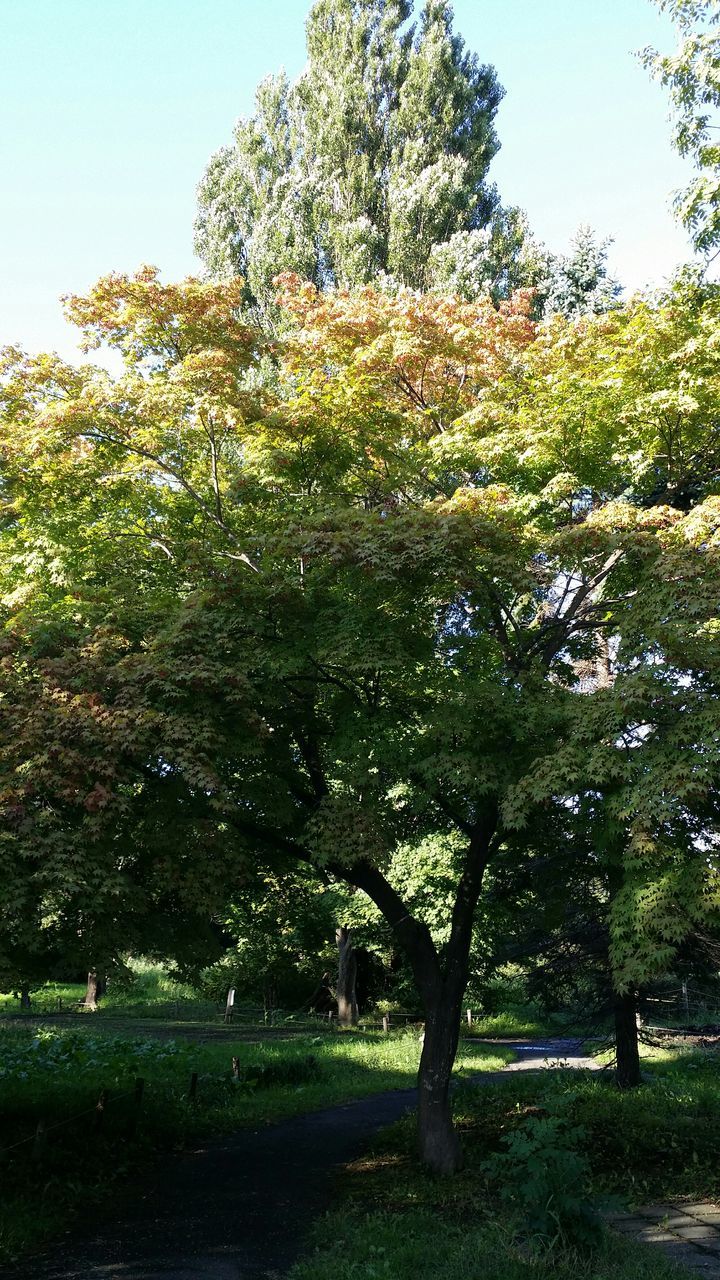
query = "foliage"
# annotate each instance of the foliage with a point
(142, 981)
(48, 994)
(282, 927)
(649, 1144)
(691, 76)
(373, 164)
(577, 283)
(542, 1174)
(509, 1023)
(429, 1244)
(394, 1220)
(55, 1073)
(363, 608)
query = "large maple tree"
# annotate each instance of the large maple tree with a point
(328, 596)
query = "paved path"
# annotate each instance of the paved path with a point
(238, 1208)
(689, 1234)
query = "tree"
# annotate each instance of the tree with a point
(692, 75)
(343, 610)
(578, 284)
(280, 925)
(374, 164)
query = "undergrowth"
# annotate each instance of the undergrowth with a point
(52, 1073)
(543, 1155)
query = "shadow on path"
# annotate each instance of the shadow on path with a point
(239, 1207)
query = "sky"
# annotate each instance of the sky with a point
(110, 109)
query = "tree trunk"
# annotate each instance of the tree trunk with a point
(25, 1002)
(438, 1140)
(95, 990)
(347, 977)
(627, 1070)
(440, 985)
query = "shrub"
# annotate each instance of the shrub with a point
(542, 1173)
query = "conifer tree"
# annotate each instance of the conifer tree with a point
(578, 283)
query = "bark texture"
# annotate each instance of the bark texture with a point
(440, 981)
(95, 990)
(627, 1069)
(438, 1140)
(347, 978)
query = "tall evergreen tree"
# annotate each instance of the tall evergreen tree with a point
(373, 163)
(578, 283)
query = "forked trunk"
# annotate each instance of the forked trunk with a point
(627, 1070)
(437, 1137)
(441, 984)
(347, 978)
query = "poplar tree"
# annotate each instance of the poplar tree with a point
(374, 163)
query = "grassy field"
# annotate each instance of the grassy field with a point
(55, 1072)
(542, 1152)
(542, 1155)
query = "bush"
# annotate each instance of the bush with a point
(542, 1173)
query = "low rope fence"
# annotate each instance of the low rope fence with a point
(39, 1137)
(252, 1077)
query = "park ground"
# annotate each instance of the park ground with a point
(543, 1152)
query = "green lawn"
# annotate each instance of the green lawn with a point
(55, 1072)
(46, 998)
(578, 1140)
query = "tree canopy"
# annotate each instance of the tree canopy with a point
(373, 164)
(328, 596)
(692, 75)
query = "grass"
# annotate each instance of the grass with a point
(46, 998)
(509, 1024)
(657, 1142)
(432, 1244)
(145, 989)
(57, 1072)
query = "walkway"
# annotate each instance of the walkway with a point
(239, 1207)
(689, 1234)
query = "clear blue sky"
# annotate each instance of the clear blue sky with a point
(109, 110)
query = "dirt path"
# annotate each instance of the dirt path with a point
(239, 1207)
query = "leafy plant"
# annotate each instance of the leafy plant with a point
(542, 1173)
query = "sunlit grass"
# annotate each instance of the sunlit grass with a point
(47, 997)
(55, 1072)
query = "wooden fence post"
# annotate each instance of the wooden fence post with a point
(137, 1104)
(469, 1017)
(230, 1005)
(39, 1144)
(192, 1092)
(100, 1108)
(386, 1023)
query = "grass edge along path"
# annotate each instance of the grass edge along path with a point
(80, 1167)
(393, 1223)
